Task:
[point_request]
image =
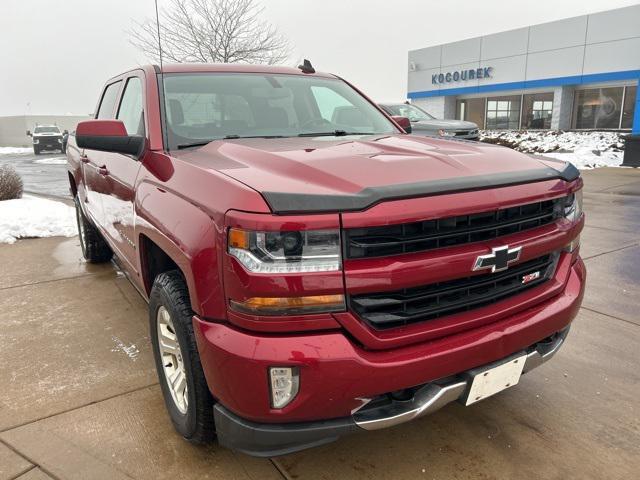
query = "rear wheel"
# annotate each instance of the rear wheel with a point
(94, 247)
(184, 387)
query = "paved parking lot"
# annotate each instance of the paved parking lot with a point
(44, 174)
(79, 397)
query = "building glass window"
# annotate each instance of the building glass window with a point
(629, 107)
(537, 110)
(598, 108)
(471, 110)
(503, 112)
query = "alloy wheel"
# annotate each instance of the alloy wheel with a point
(172, 361)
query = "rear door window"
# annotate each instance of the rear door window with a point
(108, 101)
(131, 110)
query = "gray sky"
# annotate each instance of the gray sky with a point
(55, 55)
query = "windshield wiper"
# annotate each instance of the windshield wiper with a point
(202, 143)
(195, 144)
(234, 137)
(335, 133)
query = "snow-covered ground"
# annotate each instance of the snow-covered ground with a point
(15, 150)
(52, 161)
(584, 149)
(30, 217)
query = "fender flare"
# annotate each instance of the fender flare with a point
(189, 242)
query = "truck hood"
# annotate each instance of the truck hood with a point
(352, 173)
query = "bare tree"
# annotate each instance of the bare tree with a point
(211, 31)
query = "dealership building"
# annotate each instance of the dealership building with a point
(576, 73)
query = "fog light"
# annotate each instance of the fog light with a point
(284, 383)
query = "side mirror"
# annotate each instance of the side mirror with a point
(66, 132)
(108, 136)
(28, 133)
(404, 122)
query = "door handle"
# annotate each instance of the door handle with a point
(103, 170)
(84, 159)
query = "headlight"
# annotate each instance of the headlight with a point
(573, 206)
(445, 133)
(36, 141)
(286, 252)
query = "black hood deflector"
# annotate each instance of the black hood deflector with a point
(289, 203)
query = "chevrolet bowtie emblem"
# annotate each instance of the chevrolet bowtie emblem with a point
(499, 259)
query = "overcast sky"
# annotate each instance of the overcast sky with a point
(55, 55)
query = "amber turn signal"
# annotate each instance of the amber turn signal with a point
(289, 305)
(238, 238)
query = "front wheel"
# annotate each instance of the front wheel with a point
(36, 150)
(184, 387)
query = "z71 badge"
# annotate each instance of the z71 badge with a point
(530, 277)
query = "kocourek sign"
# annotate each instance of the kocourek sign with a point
(461, 75)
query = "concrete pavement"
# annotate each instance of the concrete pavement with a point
(80, 399)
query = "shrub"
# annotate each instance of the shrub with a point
(10, 183)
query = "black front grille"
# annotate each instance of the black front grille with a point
(446, 232)
(417, 304)
(49, 140)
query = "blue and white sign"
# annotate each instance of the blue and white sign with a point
(461, 75)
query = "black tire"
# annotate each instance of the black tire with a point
(94, 247)
(196, 424)
(36, 150)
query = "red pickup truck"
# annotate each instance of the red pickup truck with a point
(312, 270)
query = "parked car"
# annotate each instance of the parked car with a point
(46, 137)
(423, 123)
(312, 270)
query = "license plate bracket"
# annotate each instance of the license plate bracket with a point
(494, 378)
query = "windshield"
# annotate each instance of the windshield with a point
(47, 130)
(205, 107)
(413, 113)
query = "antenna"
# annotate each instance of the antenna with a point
(159, 43)
(163, 113)
(306, 67)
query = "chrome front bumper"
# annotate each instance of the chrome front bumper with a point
(432, 397)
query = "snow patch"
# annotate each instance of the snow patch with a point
(586, 159)
(545, 141)
(131, 350)
(15, 150)
(52, 161)
(31, 217)
(585, 150)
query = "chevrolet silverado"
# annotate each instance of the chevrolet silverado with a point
(311, 270)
